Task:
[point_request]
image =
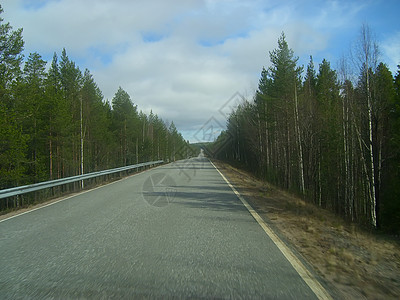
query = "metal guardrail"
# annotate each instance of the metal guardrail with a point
(19, 190)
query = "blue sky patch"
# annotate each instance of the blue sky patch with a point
(35, 4)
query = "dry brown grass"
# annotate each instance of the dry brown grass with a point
(353, 262)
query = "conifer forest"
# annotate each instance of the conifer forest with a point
(329, 136)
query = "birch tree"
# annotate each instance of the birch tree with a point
(367, 58)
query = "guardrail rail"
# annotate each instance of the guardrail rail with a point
(19, 190)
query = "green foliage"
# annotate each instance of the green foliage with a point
(284, 71)
(391, 178)
(126, 126)
(330, 134)
(12, 150)
(11, 46)
(12, 139)
(31, 108)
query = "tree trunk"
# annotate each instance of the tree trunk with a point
(81, 127)
(297, 126)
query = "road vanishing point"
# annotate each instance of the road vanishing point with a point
(176, 231)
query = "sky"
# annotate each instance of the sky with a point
(191, 61)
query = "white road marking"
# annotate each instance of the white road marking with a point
(308, 278)
(72, 196)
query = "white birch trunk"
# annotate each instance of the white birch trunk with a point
(369, 55)
(372, 163)
(302, 188)
(346, 157)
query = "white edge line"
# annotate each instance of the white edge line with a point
(308, 278)
(72, 196)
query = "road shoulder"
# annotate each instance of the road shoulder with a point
(351, 262)
(293, 259)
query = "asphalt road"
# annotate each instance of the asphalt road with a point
(176, 231)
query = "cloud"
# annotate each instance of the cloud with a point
(79, 25)
(182, 59)
(174, 78)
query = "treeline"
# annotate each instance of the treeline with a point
(56, 123)
(329, 137)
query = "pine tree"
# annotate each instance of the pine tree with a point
(30, 106)
(96, 123)
(310, 128)
(12, 139)
(390, 181)
(285, 76)
(125, 124)
(329, 109)
(57, 117)
(11, 47)
(71, 84)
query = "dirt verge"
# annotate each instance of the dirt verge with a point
(355, 263)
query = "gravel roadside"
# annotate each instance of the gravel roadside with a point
(358, 264)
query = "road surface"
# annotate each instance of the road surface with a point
(174, 231)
